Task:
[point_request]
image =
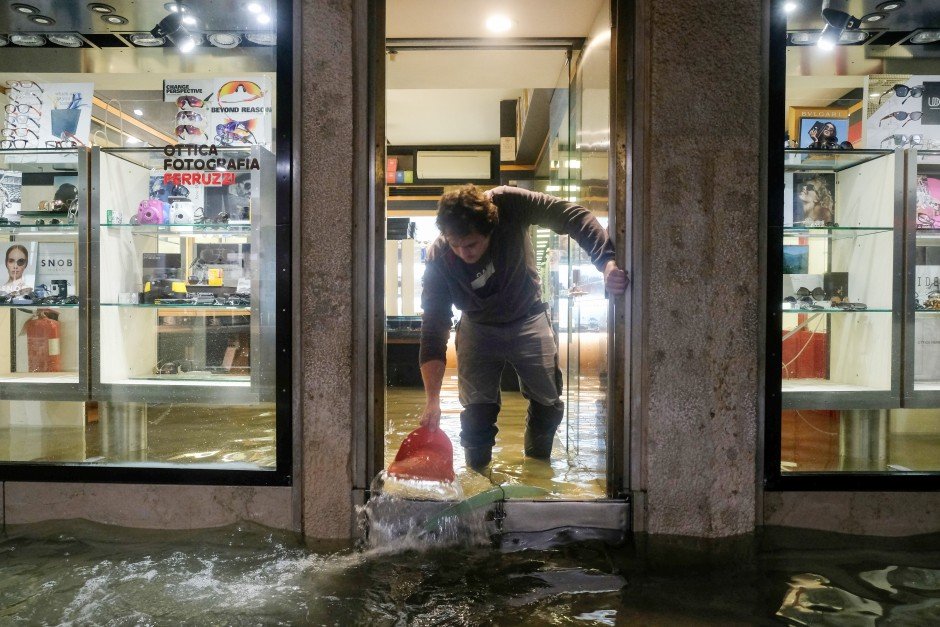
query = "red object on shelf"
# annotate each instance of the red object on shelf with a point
(426, 455)
(813, 361)
(42, 343)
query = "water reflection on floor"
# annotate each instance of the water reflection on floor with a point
(578, 466)
(79, 573)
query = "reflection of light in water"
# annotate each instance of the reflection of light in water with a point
(892, 577)
(811, 599)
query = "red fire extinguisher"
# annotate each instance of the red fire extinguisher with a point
(42, 341)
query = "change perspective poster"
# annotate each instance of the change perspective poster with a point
(223, 111)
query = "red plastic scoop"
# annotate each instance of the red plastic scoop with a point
(425, 454)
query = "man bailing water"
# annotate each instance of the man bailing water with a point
(483, 263)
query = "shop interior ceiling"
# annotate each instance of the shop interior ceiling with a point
(125, 76)
(446, 73)
(817, 78)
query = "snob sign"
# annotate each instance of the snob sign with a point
(222, 111)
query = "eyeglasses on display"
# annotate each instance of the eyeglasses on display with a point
(21, 85)
(11, 132)
(22, 119)
(68, 143)
(12, 143)
(21, 108)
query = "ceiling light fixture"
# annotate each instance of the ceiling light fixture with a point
(66, 40)
(263, 18)
(225, 40)
(30, 41)
(254, 7)
(838, 19)
(25, 9)
(874, 17)
(100, 7)
(891, 5)
(138, 112)
(132, 140)
(3, 41)
(114, 19)
(498, 23)
(176, 7)
(262, 39)
(41, 19)
(146, 40)
(925, 37)
(172, 28)
(789, 7)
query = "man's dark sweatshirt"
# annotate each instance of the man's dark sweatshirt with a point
(504, 285)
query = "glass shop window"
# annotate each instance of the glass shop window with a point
(138, 218)
(857, 243)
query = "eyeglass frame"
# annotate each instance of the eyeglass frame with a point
(20, 85)
(7, 144)
(19, 132)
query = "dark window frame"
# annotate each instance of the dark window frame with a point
(282, 474)
(774, 479)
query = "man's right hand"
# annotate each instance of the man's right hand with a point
(431, 416)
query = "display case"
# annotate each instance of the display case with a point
(182, 306)
(922, 293)
(842, 303)
(44, 294)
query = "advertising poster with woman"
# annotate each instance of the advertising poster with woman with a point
(20, 267)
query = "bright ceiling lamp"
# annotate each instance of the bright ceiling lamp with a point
(498, 23)
(30, 41)
(262, 39)
(146, 40)
(225, 40)
(66, 40)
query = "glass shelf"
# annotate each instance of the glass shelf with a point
(834, 310)
(244, 308)
(45, 229)
(38, 306)
(801, 159)
(37, 160)
(182, 229)
(834, 232)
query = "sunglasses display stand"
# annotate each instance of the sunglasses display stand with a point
(97, 308)
(921, 388)
(192, 334)
(842, 350)
(43, 299)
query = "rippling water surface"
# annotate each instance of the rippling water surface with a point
(84, 574)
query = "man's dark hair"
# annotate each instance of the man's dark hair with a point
(466, 210)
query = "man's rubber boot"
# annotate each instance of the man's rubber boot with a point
(478, 433)
(541, 423)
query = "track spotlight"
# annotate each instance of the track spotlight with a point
(173, 29)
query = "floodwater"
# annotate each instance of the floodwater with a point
(79, 573)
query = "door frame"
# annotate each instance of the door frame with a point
(369, 235)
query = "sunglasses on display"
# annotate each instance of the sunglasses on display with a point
(199, 217)
(904, 140)
(190, 101)
(68, 143)
(12, 143)
(240, 91)
(188, 116)
(910, 116)
(903, 91)
(58, 300)
(20, 85)
(52, 222)
(188, 129)
(230, 138)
